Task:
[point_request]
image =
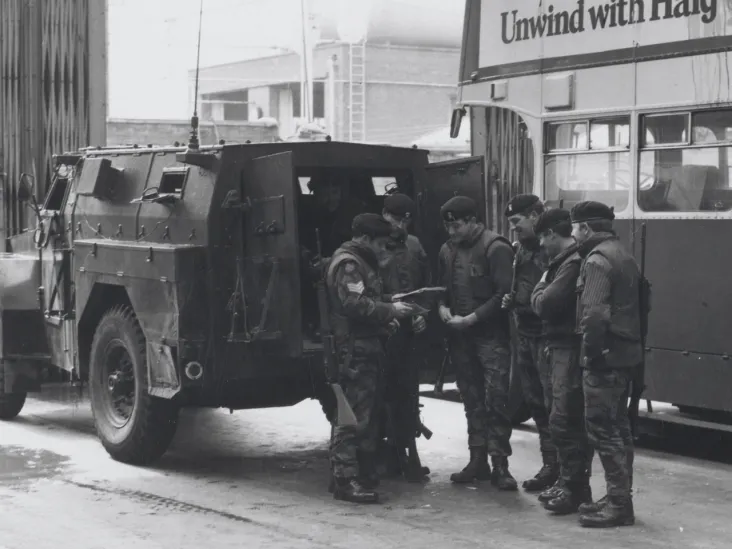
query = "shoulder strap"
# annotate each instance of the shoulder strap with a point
(338, 258)
(491, 237)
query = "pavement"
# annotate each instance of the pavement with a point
(258, 479)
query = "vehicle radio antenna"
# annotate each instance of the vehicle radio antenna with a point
(193, 139)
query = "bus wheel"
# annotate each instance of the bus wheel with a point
(10, 403)
(133, 426)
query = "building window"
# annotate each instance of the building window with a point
(318, 100)
(588, 160)
(685, 162)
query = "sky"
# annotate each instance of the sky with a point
(152, 43)
(152, 46)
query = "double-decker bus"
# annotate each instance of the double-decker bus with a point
(628, 102)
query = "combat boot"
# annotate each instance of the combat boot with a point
(369, 477)
(618, 511)
(552, 492)
(350, 489)
(501, 477)
(568, 502)
(545, 478)
(477, 469)
(594, 507)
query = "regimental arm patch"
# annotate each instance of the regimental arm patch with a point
(356, 288)
(349, 268)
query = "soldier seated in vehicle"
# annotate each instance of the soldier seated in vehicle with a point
(331, 215)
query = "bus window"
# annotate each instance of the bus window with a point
(588, 160)
(687, 177)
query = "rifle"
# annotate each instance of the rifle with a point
(345, 415)
(638, 382)
(440, 381)
(514, 279)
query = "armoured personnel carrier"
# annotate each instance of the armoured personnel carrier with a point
(172, 277)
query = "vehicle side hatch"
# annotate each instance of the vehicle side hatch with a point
(271, 278)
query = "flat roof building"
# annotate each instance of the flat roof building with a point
(393, 87)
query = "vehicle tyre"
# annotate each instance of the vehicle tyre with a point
(10, 403)
(133, 426)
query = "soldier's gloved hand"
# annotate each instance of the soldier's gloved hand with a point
(507, 301)
(445, 314)
(419, 324)
(393, 326)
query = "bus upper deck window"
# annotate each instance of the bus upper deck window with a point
(610, 133)
(666, 129)
(712, 126)
(566, 136)
(685, 162)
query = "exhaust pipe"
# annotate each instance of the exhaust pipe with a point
(194, 371)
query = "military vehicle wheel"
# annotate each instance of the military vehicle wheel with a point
(133, 426)
(10, 403)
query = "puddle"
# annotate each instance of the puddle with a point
(19, 464)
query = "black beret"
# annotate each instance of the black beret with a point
(520, 203)
(399, 205)
(371, 225)
(551, 218)
(591, 211)
(459, 207)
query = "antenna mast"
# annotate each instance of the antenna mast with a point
(193, 139)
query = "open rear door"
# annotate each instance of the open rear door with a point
(442, 181)
(271, 252)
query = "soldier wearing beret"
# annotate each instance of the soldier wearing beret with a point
(554, 300)
(609, 323)
(530, 263)
(359, 318)
(475, 266)
(404, 270)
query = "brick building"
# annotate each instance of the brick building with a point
(394, 87)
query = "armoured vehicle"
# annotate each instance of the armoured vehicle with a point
(167, 277)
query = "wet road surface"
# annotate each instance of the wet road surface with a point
(258, 479)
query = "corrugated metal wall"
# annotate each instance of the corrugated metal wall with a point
(509, 156)
(53, 78)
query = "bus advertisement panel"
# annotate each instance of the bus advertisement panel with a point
(525, 36)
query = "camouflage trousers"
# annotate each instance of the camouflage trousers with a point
(567, 417)
(534, 371)
(483, 369)
(360, 379)
(608, 427)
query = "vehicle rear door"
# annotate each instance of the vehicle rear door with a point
(271, 255)
(440, 182)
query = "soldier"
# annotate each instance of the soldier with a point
(405, 270)
(475, 267)
(359, 317)
(554, 300)
(336, 208)
(609, 321)
(529, 265)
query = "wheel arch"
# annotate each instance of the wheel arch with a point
(101, 298)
